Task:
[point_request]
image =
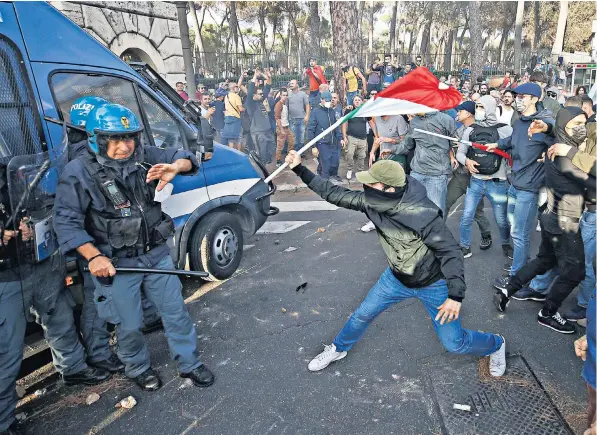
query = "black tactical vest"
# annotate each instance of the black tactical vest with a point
(132, 222)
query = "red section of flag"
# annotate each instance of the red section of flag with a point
(422, 87)
(497, 151)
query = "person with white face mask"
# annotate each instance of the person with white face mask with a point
(526, 145)
(327, 149)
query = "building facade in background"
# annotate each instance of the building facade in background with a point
(134, 31)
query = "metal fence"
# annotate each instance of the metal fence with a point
(214, 67)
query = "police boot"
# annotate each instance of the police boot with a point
(201, 376)
(112, 364)
(13, 429)
(149, 380)
(88, 376)
(156, 325)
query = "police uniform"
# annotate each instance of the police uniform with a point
(108, 203)
(39, 294)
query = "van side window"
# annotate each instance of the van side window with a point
(164, 128)
(20, 130)
(69, 86)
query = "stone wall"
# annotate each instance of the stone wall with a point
(148, 30)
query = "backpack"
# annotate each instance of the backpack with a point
(489, 163)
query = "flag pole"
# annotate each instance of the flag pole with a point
(313, 142)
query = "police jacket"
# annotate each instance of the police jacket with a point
(86, 210)
(419, 247)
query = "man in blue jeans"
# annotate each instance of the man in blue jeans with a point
(488, 173)
(299, 110)
(431, 164)
(424, 261)
(527, 173)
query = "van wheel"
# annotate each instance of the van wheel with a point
(217, 246)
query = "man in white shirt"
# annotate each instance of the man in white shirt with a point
(506, 114)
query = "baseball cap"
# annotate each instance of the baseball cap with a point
(387, 172)
(327, 96)
(469, 106)
(528, 89)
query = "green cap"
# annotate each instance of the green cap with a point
(387, 172)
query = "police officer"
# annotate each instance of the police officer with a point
(94, 331)
(105, 210)
(42, 294)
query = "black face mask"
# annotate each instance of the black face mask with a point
(345, 69)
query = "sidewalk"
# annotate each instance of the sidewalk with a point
(288, 181)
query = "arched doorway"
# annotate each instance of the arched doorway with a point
(136, 55)
(136, 48)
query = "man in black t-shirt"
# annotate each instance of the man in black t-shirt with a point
(354, 133)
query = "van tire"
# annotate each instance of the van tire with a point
(217, 246)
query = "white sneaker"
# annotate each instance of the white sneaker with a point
(349, 175)
(497, 361)
(538, 227)
(329, 355)
(369, 226)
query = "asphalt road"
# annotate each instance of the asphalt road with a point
(257, 333)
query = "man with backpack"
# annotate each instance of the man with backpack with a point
(351, 76)
(488, 173)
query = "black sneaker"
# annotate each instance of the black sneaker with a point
(528, 294)
(485, 242)
(201, 376)
(466, 252)
(149, 380)
(14, 429)
(501, 301)
(112, 364)
(88, 376)
(577, 314)
(556, 322)
(501, 283)
(508, 251)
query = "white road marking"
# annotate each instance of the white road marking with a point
(247, 247)
(286, 207)
(280, 227)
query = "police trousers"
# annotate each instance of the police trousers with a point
(53, 310)
(120, 304)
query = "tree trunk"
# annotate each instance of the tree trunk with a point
(262, 30)
(558, 43)
(448, 50)
(313, 41)
(289, 37)
(476, 39)
(343, 42)
(425, 49)
(242, 40)
(233, 26)
(537, 22)
(503, 39)
(464, 28)
(518, 35)
(393, 28)
(198, 37)
(187, 54)
(371, 22)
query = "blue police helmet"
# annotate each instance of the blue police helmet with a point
(81, 108)
(110, 120)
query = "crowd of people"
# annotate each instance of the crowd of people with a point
(523, 145)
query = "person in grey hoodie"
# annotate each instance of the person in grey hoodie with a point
(258, 109)
(431, 164)
(492, 185)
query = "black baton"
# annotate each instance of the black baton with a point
(177, 272)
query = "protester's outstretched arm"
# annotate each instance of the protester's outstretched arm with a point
(337, 195)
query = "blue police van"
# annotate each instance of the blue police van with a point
(47, 62)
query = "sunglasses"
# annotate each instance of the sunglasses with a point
(552, 94)
(373, 93)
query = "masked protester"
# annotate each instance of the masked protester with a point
(425, 262)
(106, 212)
(561, 243)
(528, 174)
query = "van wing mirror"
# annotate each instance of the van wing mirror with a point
(205, 137)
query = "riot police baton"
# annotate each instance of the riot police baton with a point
(42, 170)
(177, 272)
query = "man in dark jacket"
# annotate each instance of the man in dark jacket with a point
(561, 242)
(258, 109)
(425, 261)
(528, 174)
(327, 149)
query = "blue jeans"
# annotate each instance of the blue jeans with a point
(314, 98)
(329, 159)
(120, 304)
(541, 283)
(388, 290)
(297, 126)
(522, 216)
(497, 192)
(436, 186)
(350, 96)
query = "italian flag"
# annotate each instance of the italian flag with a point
(417, 92)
